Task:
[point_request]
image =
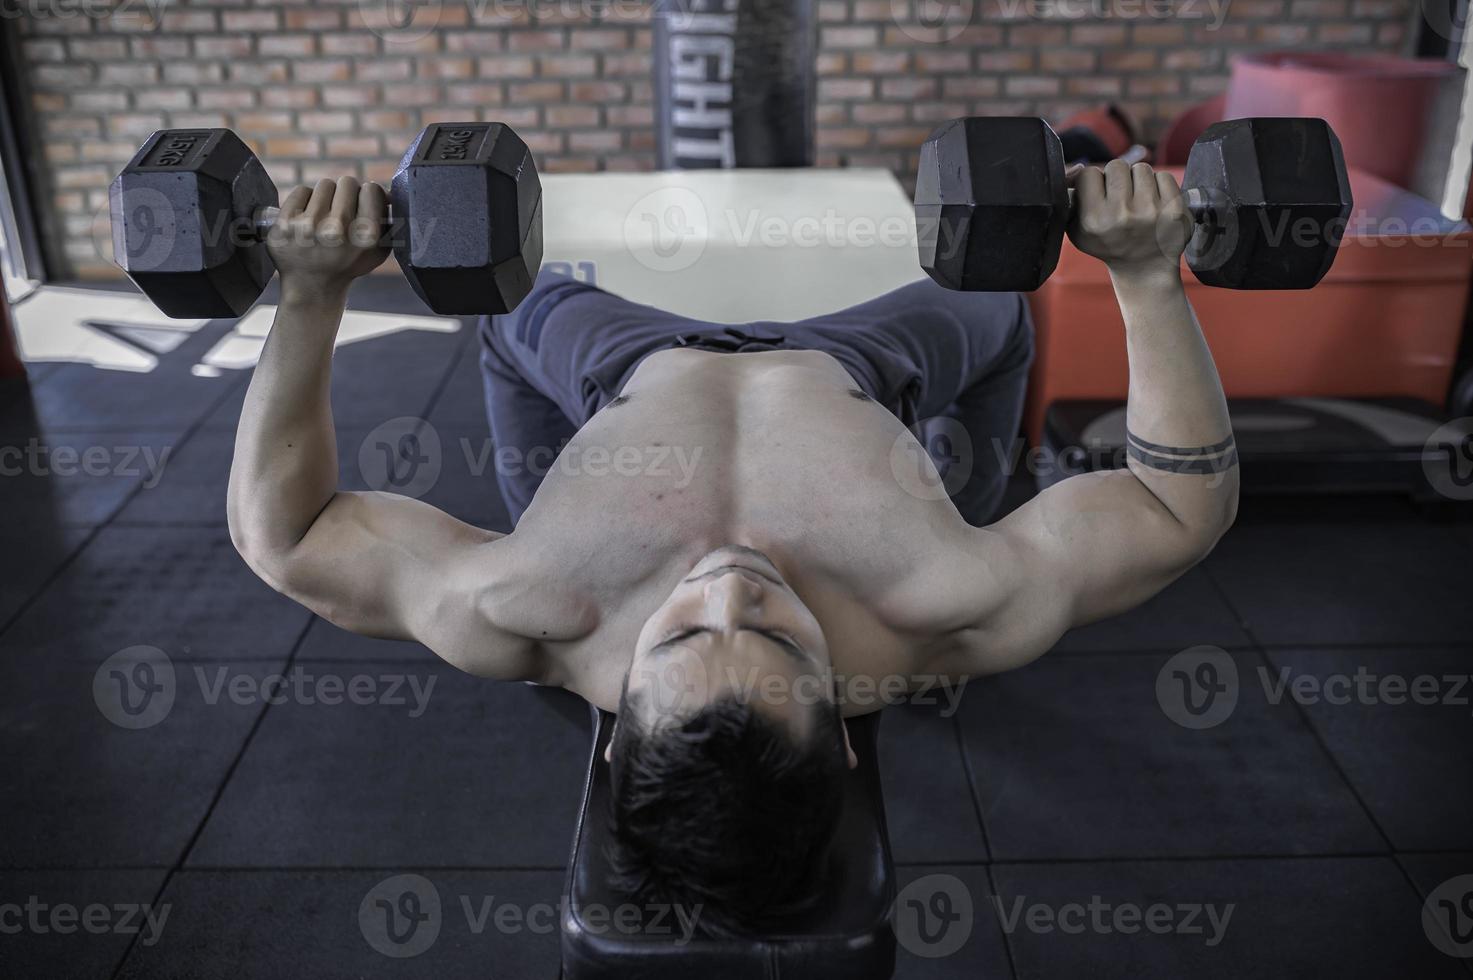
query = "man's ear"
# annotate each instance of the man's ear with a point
(609, 749)
(849, 746)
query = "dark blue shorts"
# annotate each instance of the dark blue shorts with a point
(924, 352)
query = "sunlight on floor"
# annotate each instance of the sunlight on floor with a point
(125, 332)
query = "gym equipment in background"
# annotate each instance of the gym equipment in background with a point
(735, 83)
(192, 210)
(1269, 199)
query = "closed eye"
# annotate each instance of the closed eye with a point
(685, 632)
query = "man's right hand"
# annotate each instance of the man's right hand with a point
(1132, 218)
(327, 236)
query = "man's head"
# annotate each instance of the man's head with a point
(729, 755)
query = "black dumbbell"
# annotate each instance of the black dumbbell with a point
(1269, 197)
(191, 212)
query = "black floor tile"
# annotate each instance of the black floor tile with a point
(1190, 612)
(928, 803)
(375, 380)
(466, 485)
(79, 478)
(273, 924)
(325, 642)
(193, 488)
(967, 944)
(1299, 917)
(1410, 759)
(36, 550)
(82, 397)
(184, 590)
(77, 924)
(1445, 882)
(485, 775)
(1074, 757)
(82, 790)
(1346, 583)
(463, 399)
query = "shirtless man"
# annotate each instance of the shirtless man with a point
(701, 602)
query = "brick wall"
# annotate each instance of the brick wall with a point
(317, 90)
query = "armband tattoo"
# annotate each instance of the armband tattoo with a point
(1215, 458)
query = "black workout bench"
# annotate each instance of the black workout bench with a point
(848, 936)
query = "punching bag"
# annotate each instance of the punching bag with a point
(734, 83)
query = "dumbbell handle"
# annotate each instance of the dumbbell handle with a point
(1200, 204)
(266, 219)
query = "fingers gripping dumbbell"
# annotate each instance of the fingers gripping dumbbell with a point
(1269, 199)
(191, 213)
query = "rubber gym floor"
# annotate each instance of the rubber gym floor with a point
(1063, 796)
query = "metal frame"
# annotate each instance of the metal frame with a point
(22, 266)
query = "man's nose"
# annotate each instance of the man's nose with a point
(730, 594)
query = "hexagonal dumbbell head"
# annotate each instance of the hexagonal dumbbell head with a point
(991, 203)
(468, 218)
(1277, 199)
(182, 214)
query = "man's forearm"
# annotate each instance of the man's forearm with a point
(285, 467)
(1179, 438)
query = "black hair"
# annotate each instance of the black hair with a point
(727, 811)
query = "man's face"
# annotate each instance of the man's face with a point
(732, 625)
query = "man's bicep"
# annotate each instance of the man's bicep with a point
(392, 567)
(1089, 547)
